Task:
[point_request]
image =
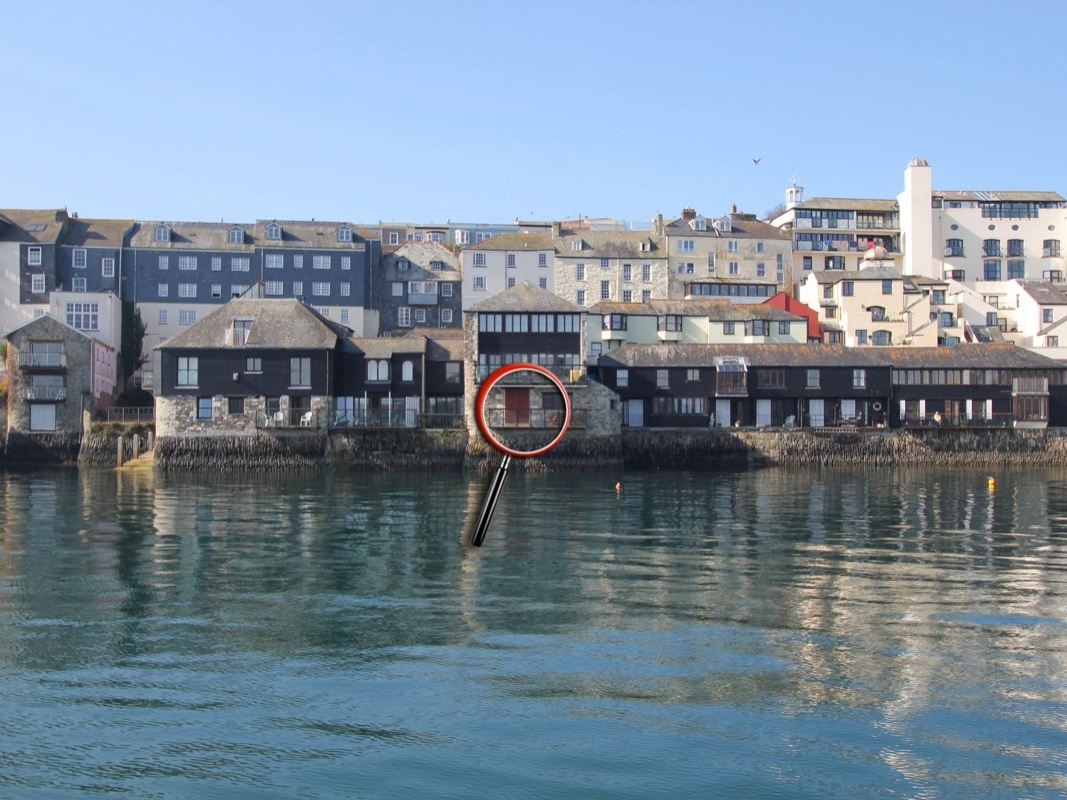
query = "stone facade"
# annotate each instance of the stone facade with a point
(177, 415)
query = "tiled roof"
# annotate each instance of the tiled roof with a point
(311, 234)
(959, 356)
(526, 297)
(420, 255)
(277, 323)
(442, 344)
(610, 244)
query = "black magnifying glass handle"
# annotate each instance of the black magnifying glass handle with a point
(489, 506)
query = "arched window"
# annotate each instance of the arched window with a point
(882, 337)
(377, 370)
(407, 371)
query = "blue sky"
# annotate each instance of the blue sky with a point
(488, 111)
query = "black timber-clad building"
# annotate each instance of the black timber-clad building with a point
(692, 385)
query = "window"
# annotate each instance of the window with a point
(161, 233)
(78, 284)
(394, 238)
(320, 289)
(273, 288)
(542, 259)
(877, 313)
(646, 273)
(377, 370)
(511, 283)
(298, 288)
(887, 286)
(662, 379)
(446, 316)
(848, 288)
(1052, 341)
(240, 264)
(33, 256)
(479, 284)
(692, 375)
(1050, 248)
(757, 327)
(186, 290)
(685, 246)
(728, 328)
(162, 316)
(452, 372)
(346, 289)
(669, 322)
(627, 272)
(188, 368)
(579, 272)
(627, 296)
(734, 268)
(203, 408)
(479, 259)
(761, 269)
(1016, 268)
(1046, 315)
(403, 316)
(187, 263)
(107, 267)
(344, 234)
(813, 379)
(614, 322)
(446, 290)
(346, 262)
(80, 258)
(238, 289)
(859, 378)
(783, 327)
(83, 316)
(579, 298)
(321, 262)
(164, 262)
(622, 378)
(991, 270)
(732, 246)
(991, 248)
(163, 290)
(511, 259)
(761, 247)
(605, 290)
(236, 236)
(646, 295)
(274, 261)
(953, 248)
(344, 315)
(407, 371)
(834, 262)
(831, 312)
(300, 371)
(807, 262)
(861, 336)
(576, 244)
(542, 282)
(1015, 248)
(882, 338)
(186, 317)
(298, 261)
(216, 290)
(235, 405)
(274, 231)
(254, 364)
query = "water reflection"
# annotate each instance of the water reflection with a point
(905, 628)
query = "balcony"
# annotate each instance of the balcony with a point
(33, 360)
(422, 299)
(46, 393)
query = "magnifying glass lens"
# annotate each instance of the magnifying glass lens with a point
(522, 410)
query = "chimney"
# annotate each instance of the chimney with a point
(556, 228)
(689, 213)
(733, 208)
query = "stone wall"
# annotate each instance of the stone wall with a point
(397, 448)
(266, 452)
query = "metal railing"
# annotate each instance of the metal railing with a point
(132, 414)
(42, 360)
(45, 392)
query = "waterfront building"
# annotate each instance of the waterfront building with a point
(56, 377)
(735, 246)
(29, 262)
(691, 385)
(420, 287)
(593, 265)
(248, 365)
(736, 290)
(1040, 311)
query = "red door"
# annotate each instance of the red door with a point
(517, 407)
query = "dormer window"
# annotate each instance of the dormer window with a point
(237, 236)
(162, 233)
(239, 331)
(576, 244)
(699, 224)
(344, 234)
(274, 231)
(437, 265)
(723, 224)
(646, 246)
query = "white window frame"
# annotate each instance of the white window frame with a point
(240, 264)
(187, 290)
(403, 316)
(187, 263)
(80, 258)
(321, 262)
(34, 257)
(274, 261)
(78, 284)
(186, 316)
(273, 288)
(163, 290)
(320, 289)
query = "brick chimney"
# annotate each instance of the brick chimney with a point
(689, 213)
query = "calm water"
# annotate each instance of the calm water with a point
(771, 634)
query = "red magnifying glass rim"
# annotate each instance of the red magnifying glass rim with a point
(483, 395)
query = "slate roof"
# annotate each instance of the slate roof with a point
(97, 232)
(742, 226)
(1046, 294)
(279, 323)
(311, 234)
(16, 225)
(193, 236)
(388, 346)
(421, 255)
(712, 309)
(527, 297)
(610, 244)
(442, 344)
(958, 356)
(515, 241)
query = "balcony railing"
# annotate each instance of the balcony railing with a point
(42, 360)
(51, 393)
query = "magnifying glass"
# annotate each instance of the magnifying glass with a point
(522, 410)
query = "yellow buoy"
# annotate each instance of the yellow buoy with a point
(992, 484)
